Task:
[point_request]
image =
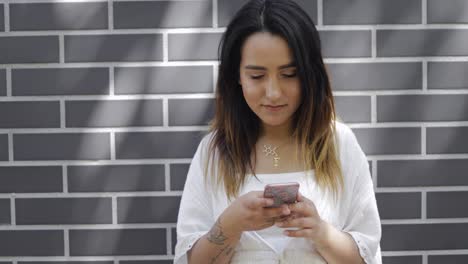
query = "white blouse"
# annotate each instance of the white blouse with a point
(355, 212)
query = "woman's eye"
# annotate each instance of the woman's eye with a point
(290, 75)
(255, 77)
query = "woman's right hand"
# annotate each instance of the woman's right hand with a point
(250, 212)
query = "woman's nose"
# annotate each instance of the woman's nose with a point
(273, 90)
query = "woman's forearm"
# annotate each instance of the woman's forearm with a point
(338, 247)
(215, 247)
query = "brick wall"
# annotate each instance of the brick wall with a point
(102, 104)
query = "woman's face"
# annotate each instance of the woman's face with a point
(269, 81)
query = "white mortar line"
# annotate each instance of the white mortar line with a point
(112, 146)
(319, 13)
(167, 176)
(6, 14)
(109, 97)
(215, 77)
(89, 227)
(61, 48)
(424, 258)
(403, 189)
(12, 210)
(168, 241)
(165, 104)
(96, 194)
(165, 47)
(425, 221)
(374, 109)
(9, 86)
(374, 43)
(374, 173)
(114, 210)
(110, 20)
(66, 241)
(65, 178)
(215, 13)
(112, 81)
(94, 163)
(424, 75)
(62, 114)
(421, 252)
(11, 153)
(424, 12)
(424, 205)
(423, 140)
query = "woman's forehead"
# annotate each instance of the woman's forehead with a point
(264, 48)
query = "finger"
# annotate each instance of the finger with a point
(277, 212)
(303, 222)
(261, 202)
(298, 233)
(302, 198)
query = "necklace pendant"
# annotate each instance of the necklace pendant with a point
(269, 150)
(276, 160)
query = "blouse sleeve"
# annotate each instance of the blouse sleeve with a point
(363, 220)
(195, 213)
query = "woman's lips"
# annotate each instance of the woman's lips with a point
(274, 108)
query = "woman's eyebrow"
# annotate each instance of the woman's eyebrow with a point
(255, 67)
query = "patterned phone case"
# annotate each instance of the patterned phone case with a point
(282, 193)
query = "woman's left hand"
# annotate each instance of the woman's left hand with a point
(304, 216)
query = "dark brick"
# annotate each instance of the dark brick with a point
(419, 108)
(5, 216)
(147, 209)
(389, 141)
(426, 42)
(52, 211)
(178, 176)
(65, 262)
(3, 147)
(163, 14)
(108, 48)
(194, 46)
(146, 262)
(228, 8)
(37, 114)
(2, 18)
(158, 145)
(116, 178)
(353, 109)
(24, 49)
(339, 12)
(113, 242)
(447, 75)
(447, 259)
(58, 16)
(67, 146)
(3, 82)
(376, 76)
(446, 204)
(174, 239)
(413, 173)
(31, 243)
(421, 237)
(450, 140)
(344, 44)
(64, 81)
(114, 113)
(164, 80)
(399, 205)
(402, 260)
(190, 112)
(39, 179)
(440, 12)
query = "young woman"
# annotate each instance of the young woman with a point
(275, 122)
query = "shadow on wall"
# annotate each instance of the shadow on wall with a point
(136, 113)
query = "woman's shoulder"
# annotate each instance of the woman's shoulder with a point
(343, 132)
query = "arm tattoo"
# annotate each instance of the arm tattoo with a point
(228, 250)
(216, 235)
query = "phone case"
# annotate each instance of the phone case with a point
(282, 193)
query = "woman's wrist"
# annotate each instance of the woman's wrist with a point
(323, 240)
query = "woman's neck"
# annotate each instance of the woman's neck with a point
(275, 134)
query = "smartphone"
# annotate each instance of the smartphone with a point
(282, 193)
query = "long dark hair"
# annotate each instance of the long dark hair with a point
(236, 127)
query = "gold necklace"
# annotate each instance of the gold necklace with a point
(270, 150)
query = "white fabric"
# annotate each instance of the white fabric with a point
(355, 211)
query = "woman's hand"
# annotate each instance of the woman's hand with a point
(304, 216)
(249, 212)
